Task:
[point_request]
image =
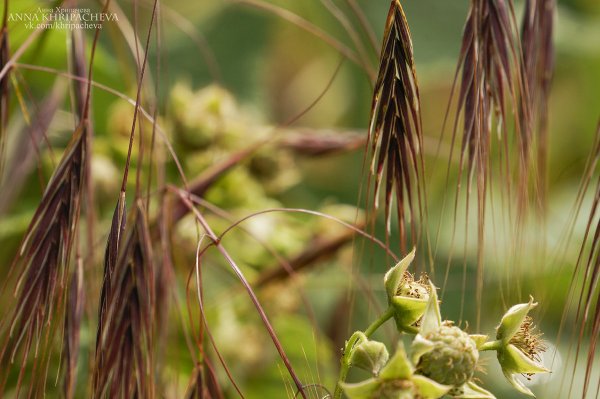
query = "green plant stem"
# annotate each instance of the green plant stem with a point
(345, 367)
(377, 323)
(491, 346)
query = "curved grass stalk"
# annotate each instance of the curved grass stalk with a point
(251, 294)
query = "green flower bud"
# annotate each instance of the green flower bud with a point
(446, 354)
(396, 381)
(521, 345)
(452, 358)
(201, 117)
(274, 168)
(370, 356)
(406, 295)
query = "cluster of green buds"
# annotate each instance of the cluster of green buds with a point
(396, 380)
(442, 358)
(407, 296)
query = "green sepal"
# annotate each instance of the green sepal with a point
(479, 339)
(519, 386)
(514, 361)
(429, 389)
(399, 367)
(407, 311)
(361, 390)
(419, 347)
(470, 390)
(512, 320)
(432, 319)
(393, 277)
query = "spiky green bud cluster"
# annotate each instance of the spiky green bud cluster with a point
(452, 359)
(443, 358)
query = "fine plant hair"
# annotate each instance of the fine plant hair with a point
(124, 358)
(587, 269)
(198, 388)
(590, 300)
(491, 96)
(95, 292)
(124, 347)
(31, 141)
(73, 317)
(44, 257)
(537, 29)
(395, 132)
(76, 294)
